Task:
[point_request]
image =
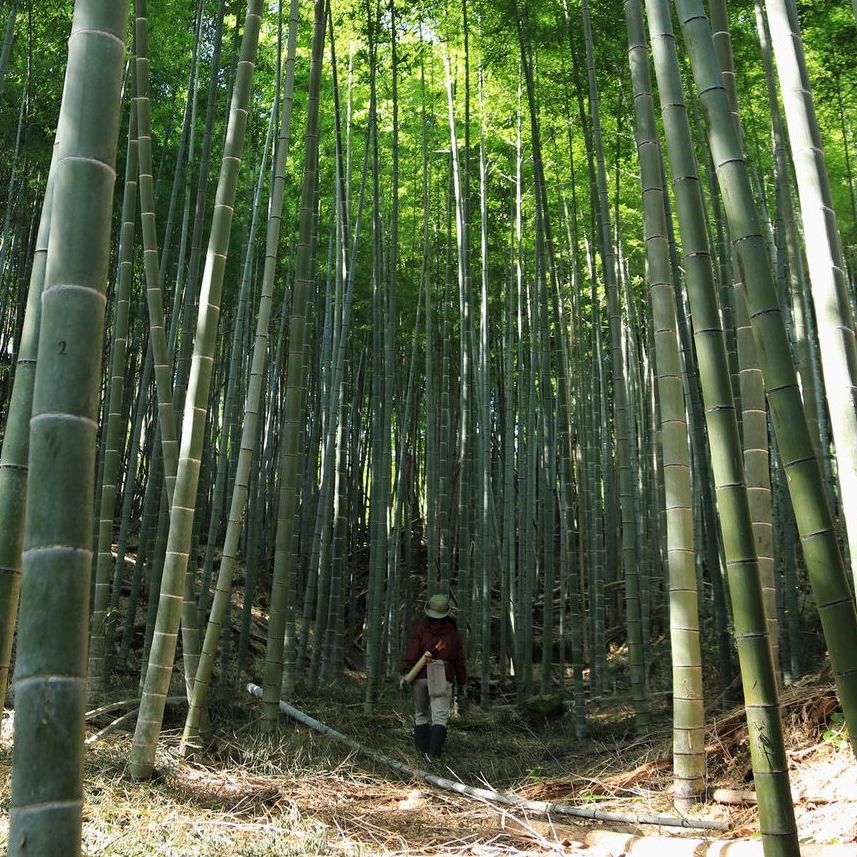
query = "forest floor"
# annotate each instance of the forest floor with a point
(296, 792)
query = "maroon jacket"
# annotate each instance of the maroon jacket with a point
(424, 638)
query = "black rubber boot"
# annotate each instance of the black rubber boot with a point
(421, 737)
(437, 739)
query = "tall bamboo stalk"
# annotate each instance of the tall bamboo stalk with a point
(50, 674)
(833, 310)
(249, 433)
(114, 427)
(688, 712)
(180, 537)
(622, 415)
(16, 445)
(823, 559)
(757, 670)
(283, 593)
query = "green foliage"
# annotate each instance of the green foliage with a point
(836, 733)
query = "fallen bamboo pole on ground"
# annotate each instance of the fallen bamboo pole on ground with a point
(539, 806)
(627, 845)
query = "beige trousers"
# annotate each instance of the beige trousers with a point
(430, 709)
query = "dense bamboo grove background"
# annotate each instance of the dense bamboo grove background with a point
(313, 311)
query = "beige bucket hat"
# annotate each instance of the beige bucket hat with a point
(437, 607)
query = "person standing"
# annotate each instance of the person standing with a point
(435, 638)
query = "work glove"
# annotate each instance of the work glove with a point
(403, 685)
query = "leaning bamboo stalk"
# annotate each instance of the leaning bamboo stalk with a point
(162, 655)
(628, 845)
(824, 562)
(824, 257)
(250, 432)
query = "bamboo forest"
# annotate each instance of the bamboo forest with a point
(428, 428)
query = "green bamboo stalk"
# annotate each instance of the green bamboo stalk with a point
(486, 562)
(826, 265)
(16, 446)
(50, 675)
(789, 260)
(825, 566)
(688, 711)
(282, 607)
(8, 37)
(754, 418)
(249, 434)
(230, 413)
(151, 255)
(621, 412)
(759, 680)
(162, 655)
(115, 422)
(380, 428)
(750, 626)
(143, 538)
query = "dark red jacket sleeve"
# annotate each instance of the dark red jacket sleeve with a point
(416, 647)
(459, 662)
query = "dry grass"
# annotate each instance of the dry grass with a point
(821, 768)
(293, 792)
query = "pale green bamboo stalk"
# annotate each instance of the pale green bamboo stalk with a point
(16, 445)
(322, 544)
(486, 562)
(255, 511)
(826, 265)
(790, 261)
(759, 680)
(393, 511)
(621, 412)
(50, 673)
(230, 413)
(115, 422)
(282, 607)
(161, 658)
(151, 256)
(687, 695)
(825, 566)
(332, 666)
(379, 490)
